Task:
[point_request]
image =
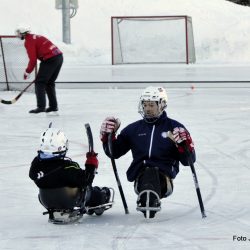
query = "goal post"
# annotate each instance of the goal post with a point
(13, 62)
(152, 39)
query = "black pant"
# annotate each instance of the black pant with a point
(45, 81)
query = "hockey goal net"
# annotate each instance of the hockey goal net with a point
(13, 62)
(152, 39)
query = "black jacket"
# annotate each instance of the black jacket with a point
(150, 145)
(56, 173)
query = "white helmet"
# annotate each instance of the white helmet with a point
(54, 142)
(22, 29)
(153, 94)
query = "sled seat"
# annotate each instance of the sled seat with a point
(60, 198)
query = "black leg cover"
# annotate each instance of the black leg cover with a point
(149, 189)
(150, 179)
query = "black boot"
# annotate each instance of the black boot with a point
(106, 194)
(105, 199)
(50, 109)
(37, 110)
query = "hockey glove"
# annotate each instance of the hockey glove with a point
(183, 140)
(26, 75)
(109, 125)
(91, 165)
(91, 160)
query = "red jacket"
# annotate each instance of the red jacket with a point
(39, 47)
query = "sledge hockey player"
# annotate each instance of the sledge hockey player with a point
(51, 57)
(155, 155)
(63, 185)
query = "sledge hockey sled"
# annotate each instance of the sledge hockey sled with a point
(67, 205)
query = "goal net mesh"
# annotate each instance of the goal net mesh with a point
(152, 40)
(13, 62)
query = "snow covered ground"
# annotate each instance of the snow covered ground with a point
(218, 120)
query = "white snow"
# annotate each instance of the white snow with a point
(216, 114)
(221, 28)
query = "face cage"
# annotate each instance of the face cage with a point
(54, 155)
(151, 119)
(21, 35)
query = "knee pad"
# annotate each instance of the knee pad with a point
(167, 185)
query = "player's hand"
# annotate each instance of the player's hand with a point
(91, 160)
(183, 139)
(26, 75)
(109, 125)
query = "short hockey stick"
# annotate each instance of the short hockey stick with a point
(91, 145)
(18, 96)
(191, 164)
(110, 145)
(91, 150)
(90, 137)
(108, 204)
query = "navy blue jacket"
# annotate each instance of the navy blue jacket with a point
(149, 144)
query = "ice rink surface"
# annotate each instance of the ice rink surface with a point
(219, 122)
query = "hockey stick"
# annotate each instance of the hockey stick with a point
(90, 137)
(108, 204)
(91, 143)
(91, 149)
(116, 174)
(18, 96)
(191, 164)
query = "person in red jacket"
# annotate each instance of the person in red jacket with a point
(40, 48)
